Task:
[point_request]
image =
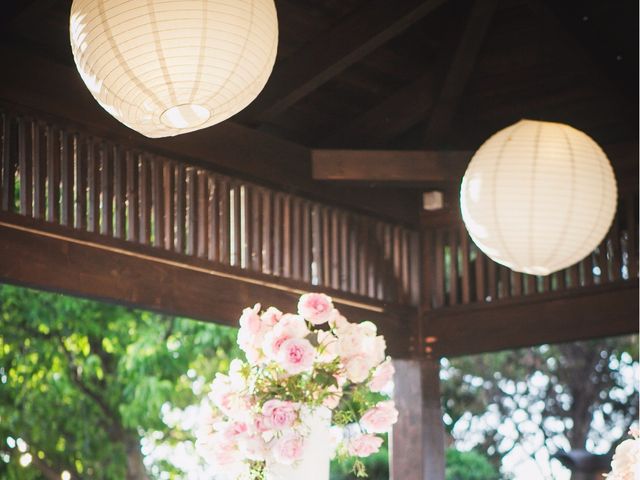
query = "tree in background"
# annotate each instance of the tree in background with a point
(572, 396)
(81, 383)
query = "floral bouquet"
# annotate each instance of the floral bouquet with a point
(304, 373)
(626, 459)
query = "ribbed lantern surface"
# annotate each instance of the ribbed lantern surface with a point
(538, 196)
(165, 67)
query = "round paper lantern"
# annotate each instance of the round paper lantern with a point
(538, 197)
(165, 67)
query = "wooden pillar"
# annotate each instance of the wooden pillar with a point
(417, 440)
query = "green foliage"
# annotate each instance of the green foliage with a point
(81, 381)
(468, 466)
(376, 466)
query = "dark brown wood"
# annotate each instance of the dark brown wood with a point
(286, 236)
(38, 159)
(389, 165)
(8, 163)
(119, 194)
(632, 232)
(480, 270)
(344, 251)
(168, 186)
(157, 201)
(334, 249)
(504, 282)
(25, 168)
(214, 219)
(346, 43)
(133, 203)
(460, 70)
(106, 190)
(93, 193)
(296, 238)
(492, 281)
(181, 209)
(277, 234)
(144, 194)
(256, 230)
(453, 267)
(191, 219)
(420, 427)
(465, 270)
(54, 258)
(66, 178)
(306, 242)
(326, 252)
(595, 312)
(80, 169)
(267, 231)
(439, 273)
(224, 219)
(202, 217)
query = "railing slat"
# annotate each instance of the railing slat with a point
(191, 211)
(157, 201)
(25, 169)
(39, 171)
(214, 219)
(630, 203)
(492, 280)
(144, 189)
(296, 239)
(224, 221)
(344, 251)
(202, 214)
(133, 218)
(80, 169)
(480, 275)
(453, 267)
(465, 274)
(180, 205)
(66, 178)
(93, 194)
(267, 235)
(277, 234)
(168, 187)
(256, 230)
(286, 236)
(106, 199)
(306, 242)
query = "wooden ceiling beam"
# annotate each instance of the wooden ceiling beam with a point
(460, 69)
(389, 165)
(361, 32)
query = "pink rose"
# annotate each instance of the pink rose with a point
(337, 321)
(315, 307)
(250, 319)
(364, 445)
(380, 418)
(251, 334)
(253, 447)
(288, 448)
(225, 452)
(279, 414)
(271, 316)
(296, 355)
(232, 430)
(382, 376)
(357, 368)
(327, 346)
(291, 325)
(333, 399)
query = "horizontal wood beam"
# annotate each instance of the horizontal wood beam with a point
(230, 147)
(389, 165)
(60, 259)
(583, 314)
(323, 58)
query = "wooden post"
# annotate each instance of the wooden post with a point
(417, 440)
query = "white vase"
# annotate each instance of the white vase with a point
(314, 465)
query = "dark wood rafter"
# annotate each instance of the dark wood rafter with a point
(325, 57)
(462, 64)
(389, 165)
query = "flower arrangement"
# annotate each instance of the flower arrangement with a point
(298, 364)
(626, 459)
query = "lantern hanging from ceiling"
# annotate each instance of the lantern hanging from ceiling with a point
(166, 67)
(538, 197)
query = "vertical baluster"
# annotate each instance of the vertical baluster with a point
(561, 280)
(464, 247)
(380, 261)
(586, 266)
(480, 269)
(334, 255)
(93, 194)
(106, 191)
(80, 169)
(267, 224)
(306, 242)
(157, 200)
(214, 219)
(406, 273)
(277, 234)
(416, 271)
(439, 270)
(601, 260)
(316, 239)
(202, 217)
(66, 178)
(234, 225)
(389, 276)
(574, 276)
(245, 219)
(39, 171)
(397, 264)
(168, 188)
(363, 256)
(192, 210)
(505, 287)
(286, 236)
(530, 284)
(25, 168)
(344, 251)
(296, 239)
(632, 234)
(615, 248)
(8, 163)
(181, 206)
(133, 202)
(453, 267)
(326, 247)
(119, 196)
(144, 184)
(224, 222)
(492, 280)
(546, 284)
(516, 284)
(256, 230)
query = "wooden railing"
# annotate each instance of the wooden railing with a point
(60, 174)
(461, 274)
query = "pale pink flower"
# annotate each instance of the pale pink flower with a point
(333, 399)
(271, 316)
(249, 320)
(251, 333)
(357, 367)
(234, 429)
(288, 448)
(296, 355)
(382, 376)
(291, 325)
(380, 418)
(337, 321)
(272, 343)
(327, 346)
(260, 423)
(279, 414)
(364, 445)
(225, 452)
(253, 447)
(315, 307)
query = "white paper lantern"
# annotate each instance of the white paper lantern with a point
(165, 67)
(538, 196)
